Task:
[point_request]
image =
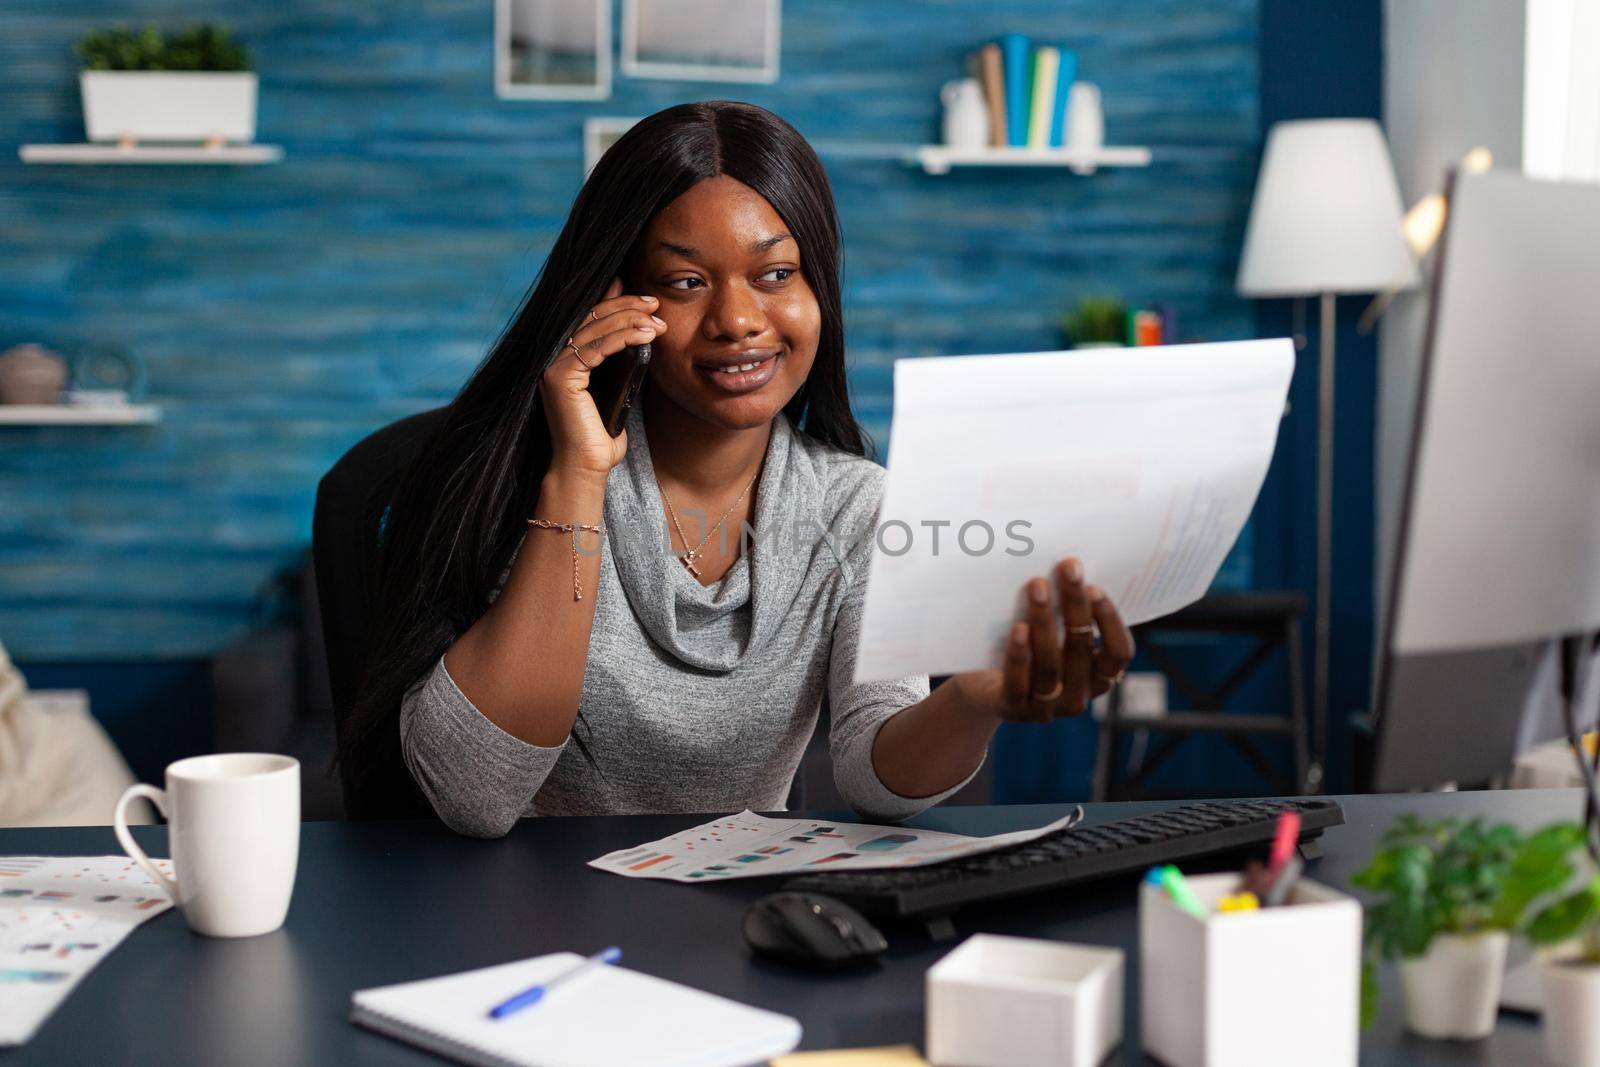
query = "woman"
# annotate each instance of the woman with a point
(529, 599)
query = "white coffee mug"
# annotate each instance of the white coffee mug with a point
(234, 832)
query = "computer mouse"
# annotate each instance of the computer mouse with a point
(812, 931)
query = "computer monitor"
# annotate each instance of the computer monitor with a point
(1498, 549)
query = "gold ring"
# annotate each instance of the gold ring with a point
(577, 355)
(1081, 631)
(1045, 698)
(595, 315)
(1115, 680)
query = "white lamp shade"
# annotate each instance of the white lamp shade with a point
(1326, 216)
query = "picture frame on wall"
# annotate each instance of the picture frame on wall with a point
(599, 134)
(701, 40)
(552, 49)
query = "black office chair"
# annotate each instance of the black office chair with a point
(344, 542)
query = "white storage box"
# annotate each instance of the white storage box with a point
(1258, 988)
(1024, 1002)
(169, 106)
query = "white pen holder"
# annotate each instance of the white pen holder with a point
(1257, 988)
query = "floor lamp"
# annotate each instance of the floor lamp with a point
(1325, 221)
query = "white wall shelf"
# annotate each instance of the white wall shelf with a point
(92, 154)
(79, 414)
(937, 159)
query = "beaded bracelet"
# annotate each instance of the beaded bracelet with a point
(572, 528)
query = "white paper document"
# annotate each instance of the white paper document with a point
(1143, 462)
(59, 916)
(748, 845)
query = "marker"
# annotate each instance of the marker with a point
(1239, 902)
(1284, 840)
(1172, 881)
(1255, 879)
(533, 994)
(1284, 882)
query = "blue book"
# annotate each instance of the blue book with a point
(1016, 53)
(1066, 74)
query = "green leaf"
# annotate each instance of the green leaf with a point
(1566, 918)
(1539, 867)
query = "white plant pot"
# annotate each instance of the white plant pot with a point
(1453, 990)
(161, 106)
(1571, 1012)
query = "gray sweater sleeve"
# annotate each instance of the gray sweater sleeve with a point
(859, 711)
(479, 779)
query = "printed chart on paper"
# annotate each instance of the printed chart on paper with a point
(59, 916)
(748, 845)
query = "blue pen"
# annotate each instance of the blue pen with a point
(533, 994)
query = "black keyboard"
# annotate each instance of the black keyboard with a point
(1078, 854)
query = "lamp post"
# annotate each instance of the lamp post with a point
(1325, 221)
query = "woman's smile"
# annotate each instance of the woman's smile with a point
(737, 373)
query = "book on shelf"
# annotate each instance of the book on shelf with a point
(1066, 74)
(1016, 52)
(1046, 62)
(991, 72)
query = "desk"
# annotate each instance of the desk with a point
(387, 902)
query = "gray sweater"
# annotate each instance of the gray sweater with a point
(695, 698)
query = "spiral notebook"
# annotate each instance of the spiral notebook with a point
(606, 1017)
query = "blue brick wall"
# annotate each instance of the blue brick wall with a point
(285, 311)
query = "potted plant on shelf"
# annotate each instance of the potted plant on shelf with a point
(1446, 905)
(1567, 928)
(1097, 322)
(192, 86)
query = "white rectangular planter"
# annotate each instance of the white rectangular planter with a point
(1251, 988)
(1024, 1002)
(169, 106)
(1571, 1012)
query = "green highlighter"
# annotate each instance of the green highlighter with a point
(1172, 881)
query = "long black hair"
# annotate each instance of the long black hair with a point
(459, 512)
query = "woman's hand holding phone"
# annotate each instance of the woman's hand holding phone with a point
(579, 442)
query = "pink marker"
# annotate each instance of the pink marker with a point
(1284, 840)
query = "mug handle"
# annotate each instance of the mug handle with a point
(158, 797)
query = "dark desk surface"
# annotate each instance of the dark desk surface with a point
(378, 903)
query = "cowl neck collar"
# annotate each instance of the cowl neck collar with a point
(713, 627)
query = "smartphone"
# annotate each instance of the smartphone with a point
(615, 386)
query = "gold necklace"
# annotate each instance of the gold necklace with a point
(688, 558)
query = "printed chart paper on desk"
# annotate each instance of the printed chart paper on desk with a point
(59, 916)
(1143, 462)
(748, 845)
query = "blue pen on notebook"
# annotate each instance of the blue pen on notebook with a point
(533, 994)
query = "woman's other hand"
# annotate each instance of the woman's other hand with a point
(1054, 668)
(578, 438)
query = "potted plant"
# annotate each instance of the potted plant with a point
(1567, 927)
(1097, 322)
(194, 85)
(1445, 908)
